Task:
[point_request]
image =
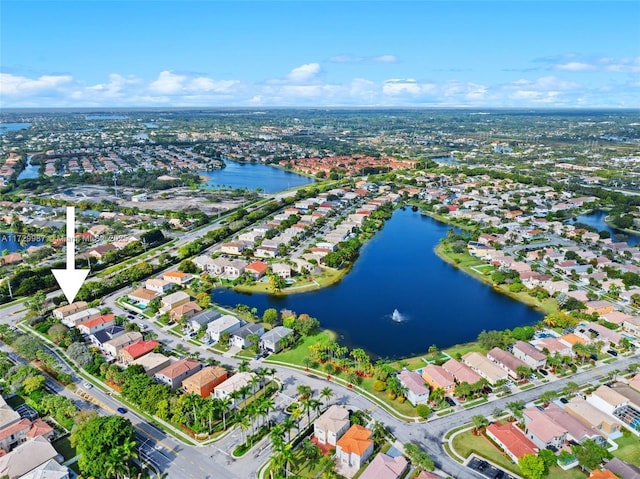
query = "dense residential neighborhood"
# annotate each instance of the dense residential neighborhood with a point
(194, 385)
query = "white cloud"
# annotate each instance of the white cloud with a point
(304, 73)
(575, 67)
(168, 83)
(19, 86)
(359, 59)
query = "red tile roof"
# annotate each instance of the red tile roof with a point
(140, 348)
(513, 439)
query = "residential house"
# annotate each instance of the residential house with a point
(226, 323)
(257, 269)
(602, 474)
(632, 325)
(27, 457)
(177, 277)
(511, 439)
(282, 270)
(385, 467)
(97, 324)
(75, 319)
(113, 346)
(553, 345)
(416, 391)
(184, 311)
(354, 447)
(542, 429)
(204, 381)
(577, 430)
(133, 351)
(142, 296)
(158, 285)
(233, 247)
(592, 332)
(529, 355)
(622, 469)
(7, 415)
(506, 361)
(438, 378)
(48, 470)
(200, 320)
(484, 367)
(592, 416)
(152, 362)
(206, 263)
(239, 338)
(98, 252)
(606, 399)
(235, 383)
(272, 341)
(600, 307)
(11, 258)
(22, 431)
(64, 311)
(234, 268)
(173, 300)
(331, 425)
(100, 337)
(461, 372)
(175, 373)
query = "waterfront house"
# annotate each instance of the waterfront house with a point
(529, 355)
(506, 361)
(207, 264)
(272, 340)
(331, 425)
(438, 378)
(511, 440)
(204, 381)
(257, 269)
(173, 374)
(239, 338)
(133, 351)
(226, 323)
(484, 367)
(461, 372)
(600, 307)
(553, 345)
(385, 467)
(282, 270)
(416, 391)
(226, 388)
(354, 447)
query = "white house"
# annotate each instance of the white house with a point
(417, 391)
(226, 323)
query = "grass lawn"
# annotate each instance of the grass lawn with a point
(403, 408)
(527, 386)
(475, 403)
(463, 349)
(466, 443)
(573, 473)
(63, 446)
(628, 449)
(296, 355)
(410, 363)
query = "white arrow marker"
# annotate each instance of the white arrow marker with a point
(70, 279)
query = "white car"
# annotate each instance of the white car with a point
(87, 385)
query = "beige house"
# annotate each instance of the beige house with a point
(484, 367)
(592, 416)
(64, 311)
(234, 383)
(331, 425)
(173, 300)
(152, 362)
(113, 346)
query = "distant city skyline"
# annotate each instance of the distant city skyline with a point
(75, 54)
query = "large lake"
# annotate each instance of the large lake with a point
(398, 269)
(9, 242)
(5, 127)
(252, 176)
(596, 220)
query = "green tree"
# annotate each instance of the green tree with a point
(589, 454)
(549, 459)
(96, 438)
(33, 383)
(532, 466)
(423, 410)
(270, 316)
(479, 422)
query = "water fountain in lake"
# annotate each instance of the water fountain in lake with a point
(398, 317)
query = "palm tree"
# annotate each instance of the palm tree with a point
(224, 407)
(287, 425)
(548, 396)
(128, 453)
(310, 450)
(479, 421)
(516, 407)
(304, 391)
(243, 367)
(437, 395)
(244, 424)
(326, 393)
(283, 458)
(315, 405)
(277, 438)
(571, 388)
(352, 378)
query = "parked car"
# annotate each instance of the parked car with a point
(450, 401)
(543, 372)
(612, 352)
(564, 400)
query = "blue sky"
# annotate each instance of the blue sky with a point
(307, 53)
